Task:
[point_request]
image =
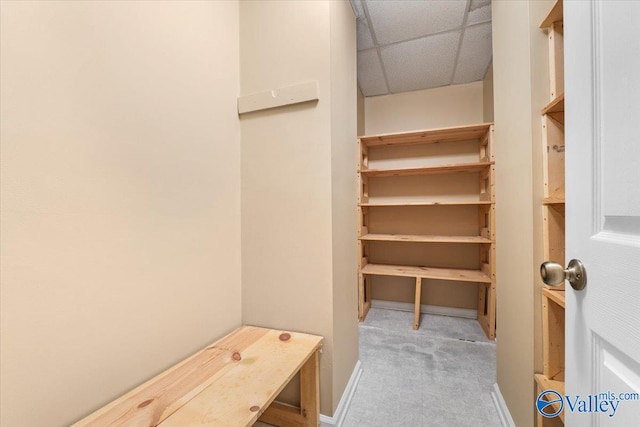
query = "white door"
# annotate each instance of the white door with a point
(602, 110)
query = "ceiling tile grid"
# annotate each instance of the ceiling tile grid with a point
(396, 21)
(406, 45)
(420, 63)
(475, 54)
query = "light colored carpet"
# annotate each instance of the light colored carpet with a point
(440, 375)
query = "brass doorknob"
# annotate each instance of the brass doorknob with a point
(553, 274)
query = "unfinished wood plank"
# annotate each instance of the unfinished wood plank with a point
(552, 337)
(555, 295)
(361, 300)
(556, 59)
(555, 106)
(362, 212)
(556, 14)
(428, 170)
(548, 383)
(552, 201)
(553, 234)
(491, 312)
(279, 414)
(363, 188)
(553, 158)
(310, 390)
(487, 184)
(367, 305)
(545, 383)
(363, 221)
(486, 146)
(487, 309)
(362, 163)
(424, 238)
(159, 397)
(431, 136)
(363, 155)
(557, 207)
(249, 385)
(416, 304)
(487, 260)
(482, 307)
(487, 221)
(461, 275)
(555, 109)
(453, 203)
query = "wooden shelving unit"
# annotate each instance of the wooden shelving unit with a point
(420, 155)
(553, 213)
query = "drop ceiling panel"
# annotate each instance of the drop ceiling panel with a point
(425, 62)
(395, 21)
(370, 75)
(475, 54)
(481, 13)
(477, 4)
(418, 42)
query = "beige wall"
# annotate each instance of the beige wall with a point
(120, 197)
(487, 95)
(291, 171)
(344, 121)
(360, 98)
(519, 68)
(514, 221)
(424, 109)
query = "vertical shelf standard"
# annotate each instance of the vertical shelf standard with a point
(553, 214)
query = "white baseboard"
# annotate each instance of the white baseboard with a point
(501, 407)
(467, 313)
(345, 400)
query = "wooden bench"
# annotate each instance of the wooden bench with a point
(232, 382)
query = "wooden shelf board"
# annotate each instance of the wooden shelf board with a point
(459, 275)
(554, 15)
(428, 170)
(461, 203)
(555, 106)
(424, 238)
(558, 207)
(548, 383)
(552, 201)
(458, 133)
(556, 296)
(559, 377)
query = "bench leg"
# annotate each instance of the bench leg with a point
(308, 414)
(310, 390)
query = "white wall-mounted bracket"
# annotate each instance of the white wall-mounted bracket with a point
(288, 95)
